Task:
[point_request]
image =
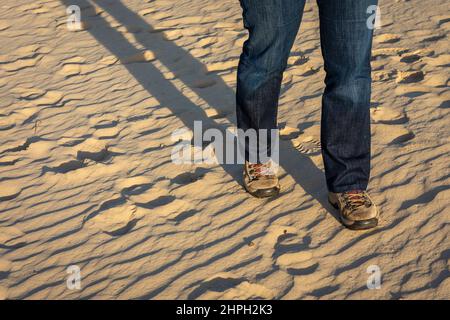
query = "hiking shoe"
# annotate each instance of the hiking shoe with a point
(260, 180)
(357, 211)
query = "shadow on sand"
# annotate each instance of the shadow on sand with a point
(219, 96)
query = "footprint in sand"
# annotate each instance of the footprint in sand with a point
(288, 251)
(292, 254)
(307, 144)
(114, 218)
(228, 286)
(9, 190)
(272, 238)
(148, 197)
(409, 77)
(297, 263)
(11, 237)
(391, 134)
(142, 192)
(133, 186)
(145, 56)
(162, 206)
(387, 115)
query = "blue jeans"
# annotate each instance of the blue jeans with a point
(346, 42)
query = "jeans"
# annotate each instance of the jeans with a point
(346, 42)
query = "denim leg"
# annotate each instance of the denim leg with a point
(345, 132)
(272, 27)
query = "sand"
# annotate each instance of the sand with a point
(86, 176)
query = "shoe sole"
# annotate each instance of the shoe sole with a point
(356, 225)
(264, 193)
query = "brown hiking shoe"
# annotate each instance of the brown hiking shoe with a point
(260, 180)
(357, 210)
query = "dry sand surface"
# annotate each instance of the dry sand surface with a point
(86, 176)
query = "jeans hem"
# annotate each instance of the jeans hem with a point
(348, 188)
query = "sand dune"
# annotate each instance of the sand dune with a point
(86, 178)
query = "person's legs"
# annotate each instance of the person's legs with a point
(345, 135)
(272, 26)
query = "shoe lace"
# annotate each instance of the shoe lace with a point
(355, 199)
(260, 170)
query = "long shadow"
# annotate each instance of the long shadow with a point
(219, 96)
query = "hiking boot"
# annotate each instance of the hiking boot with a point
(260, 180)
(357, 211)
